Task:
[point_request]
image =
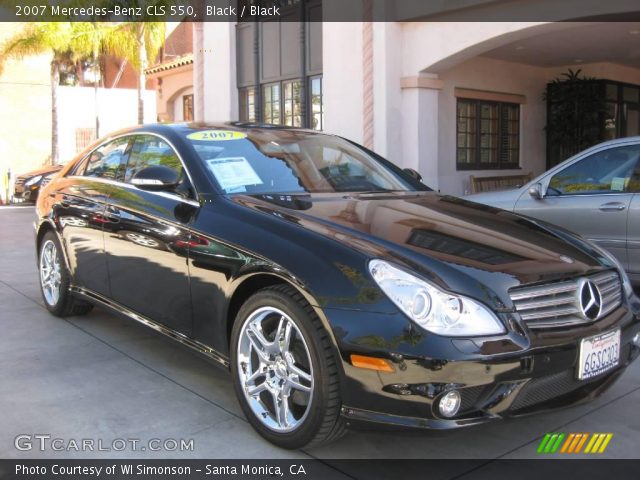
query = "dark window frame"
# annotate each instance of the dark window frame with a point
(502, 132)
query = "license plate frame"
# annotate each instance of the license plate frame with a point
(590, 364)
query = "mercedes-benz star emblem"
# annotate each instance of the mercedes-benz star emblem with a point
(590, 300)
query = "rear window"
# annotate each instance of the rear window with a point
(286, 161)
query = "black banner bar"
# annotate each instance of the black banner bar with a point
(534, 469)
(317, 10)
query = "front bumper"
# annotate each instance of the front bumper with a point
(516, 375)
(25, 194)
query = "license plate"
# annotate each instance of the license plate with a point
(599, 354)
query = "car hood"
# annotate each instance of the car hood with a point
(447, 239)
(505, 199)
(41, 171)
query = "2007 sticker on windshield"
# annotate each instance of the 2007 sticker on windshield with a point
(232, 173)
(216, 135)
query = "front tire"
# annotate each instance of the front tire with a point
(285, 371)
(55, 280)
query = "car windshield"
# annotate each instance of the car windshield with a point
(284, 161)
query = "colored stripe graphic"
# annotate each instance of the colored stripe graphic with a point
(573, 443)
(603, 447)
(594, 437)
(551, 442)
(543, 443)
(568, 442)
(581, 443)
(576, 439)
(598, 443)
(556, 445)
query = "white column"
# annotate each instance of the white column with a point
(215, 68)
(387, 93)
(342, 79)
(420, 126)
(198, 71)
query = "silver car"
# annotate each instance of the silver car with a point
(595, 193)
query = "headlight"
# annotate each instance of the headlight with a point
(626, 283)
(433, 309)
(33, 180)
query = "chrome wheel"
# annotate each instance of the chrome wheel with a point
(274, 369)
(50, 275)
(142, 240)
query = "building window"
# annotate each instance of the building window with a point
(292, 103)
(282, 103)
(317, 111)
(248, 104)
(187, 108)
(279, 63)
(488, 135)
(271, 103)
(285, 109)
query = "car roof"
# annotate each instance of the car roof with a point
(186, 127)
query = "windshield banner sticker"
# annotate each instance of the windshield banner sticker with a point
(216, 135)
(233, 172)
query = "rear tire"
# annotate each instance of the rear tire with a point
(285, 371)
(55, 280)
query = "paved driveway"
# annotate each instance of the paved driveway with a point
(101, 377)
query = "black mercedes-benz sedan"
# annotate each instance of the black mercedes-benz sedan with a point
(336, 287)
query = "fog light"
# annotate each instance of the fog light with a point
(449, 404)
(636, 340)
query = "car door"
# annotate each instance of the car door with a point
(591, 197)
(145, 239)
(79, 203)
(633, 229)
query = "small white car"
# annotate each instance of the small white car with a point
(595, 193)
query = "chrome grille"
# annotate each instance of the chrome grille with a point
(557, 305)
(19, 181)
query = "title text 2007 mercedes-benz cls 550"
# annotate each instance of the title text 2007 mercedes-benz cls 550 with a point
(336, 287)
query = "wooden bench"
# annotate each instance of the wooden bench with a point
(502, 182)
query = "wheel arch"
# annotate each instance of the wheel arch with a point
(45, 227)
(248, 285)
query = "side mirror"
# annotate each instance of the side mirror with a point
(536, 191)
(157, 177)
(412, 173)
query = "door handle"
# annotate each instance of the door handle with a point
(612, 207)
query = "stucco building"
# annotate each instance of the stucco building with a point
(448, 98)
(172, 75)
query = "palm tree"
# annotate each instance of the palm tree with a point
(69, 42)
(42, 38)
(138, 43)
